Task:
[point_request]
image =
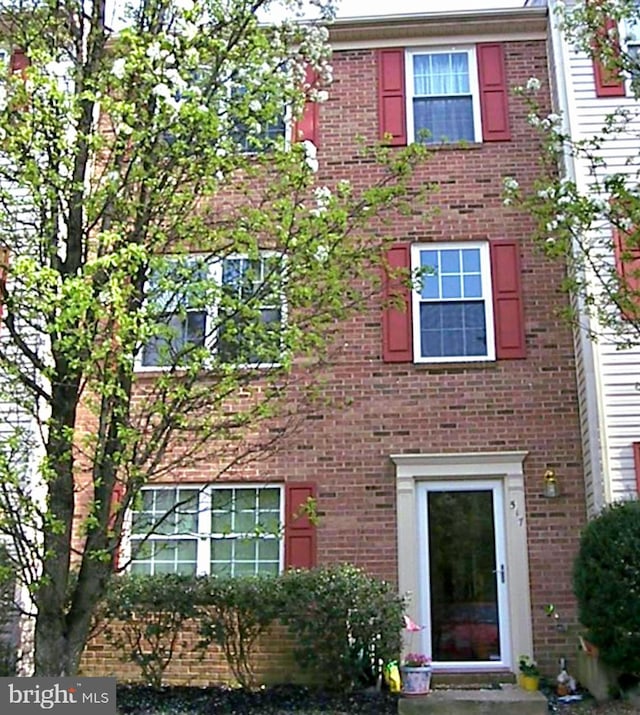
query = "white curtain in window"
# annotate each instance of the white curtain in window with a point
(442, 73)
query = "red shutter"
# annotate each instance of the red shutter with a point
(391, 97)
(609, 82)
(494, 93)
(397, 341)
(508, 310)
(636, 465)
(18, 62)
(307, 127)
(299, 531)
(628, 268)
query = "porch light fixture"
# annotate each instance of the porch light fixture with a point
(551, 488)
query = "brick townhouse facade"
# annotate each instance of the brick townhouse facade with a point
(431, 472)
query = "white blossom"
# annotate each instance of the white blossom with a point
(175, 78)
(311, 153)
(118, 68)
(321, 253)
(154, 51)
(189, 31)
(533, 84)
(510, 183)
(184, 5)
(551, 241)
(161, 90)
(255, 105)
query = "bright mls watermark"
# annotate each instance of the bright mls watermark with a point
(58, 696)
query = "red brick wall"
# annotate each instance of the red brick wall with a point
(275, 661)
(382, 409)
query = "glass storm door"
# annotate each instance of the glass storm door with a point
(464, 594)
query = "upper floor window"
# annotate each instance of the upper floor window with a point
(443, 101)
(221, 530)
(230, 307)
(251, 132)
(452, 312)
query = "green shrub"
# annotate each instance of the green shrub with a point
(234, 612)
(145, 616)
(346, 623)
(606, 578)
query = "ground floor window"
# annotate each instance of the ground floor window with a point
(223, 530)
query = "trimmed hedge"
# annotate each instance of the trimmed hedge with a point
(345, 623)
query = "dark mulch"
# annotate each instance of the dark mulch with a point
(299, 700)
(279, 700)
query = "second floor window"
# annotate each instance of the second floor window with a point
(443, 96)
(230, 308)
(453, 317)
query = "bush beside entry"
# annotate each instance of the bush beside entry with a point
(606, 580)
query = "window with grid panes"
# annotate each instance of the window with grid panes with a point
(453, 314)
(232, 307)
(443, 96)
(228, 531)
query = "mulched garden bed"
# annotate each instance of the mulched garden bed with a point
(299, 700)
(279, 700)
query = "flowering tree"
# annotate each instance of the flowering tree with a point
(173, 268)
(588, 207)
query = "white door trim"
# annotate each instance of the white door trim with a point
(506, 467)
(495, 486)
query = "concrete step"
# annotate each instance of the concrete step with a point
(506, 700)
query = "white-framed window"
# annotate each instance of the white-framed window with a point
(452, 302)
(231, 306)
(443, 95)
(223, 530)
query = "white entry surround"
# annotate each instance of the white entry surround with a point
(412, 470)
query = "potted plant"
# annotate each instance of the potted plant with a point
(415, 673)
(529, 677)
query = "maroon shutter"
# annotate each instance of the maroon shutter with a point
(397, 342)
(307, 127)
(391, 97)
(628, 268)
(609, 82)
(636, 465)
(299, 532)
(494, 93)
(508, 310)
(18, 62)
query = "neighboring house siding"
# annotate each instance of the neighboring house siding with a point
(608, 377)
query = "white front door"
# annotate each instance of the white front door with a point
(463, 575)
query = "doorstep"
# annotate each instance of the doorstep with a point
(505, 700)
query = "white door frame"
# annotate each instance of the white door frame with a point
(495, 486)
(506, 467)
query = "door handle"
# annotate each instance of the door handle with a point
(501, 572)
